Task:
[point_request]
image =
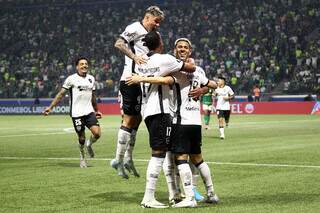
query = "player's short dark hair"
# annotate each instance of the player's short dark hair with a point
(222, 77)
(155, 11)
(81, 58)
(152, 40)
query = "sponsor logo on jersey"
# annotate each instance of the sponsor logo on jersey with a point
(84, 88)
(148, 70)
(192, 108)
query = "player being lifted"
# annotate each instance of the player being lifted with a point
(224, 94)
(130, 43)
(186, 139)
(83, 106)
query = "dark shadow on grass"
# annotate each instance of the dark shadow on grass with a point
(70, 164)
(128, 196)
(210, 136)
(275, 199)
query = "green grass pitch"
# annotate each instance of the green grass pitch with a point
(268, 163)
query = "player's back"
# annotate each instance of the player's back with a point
(155, 98)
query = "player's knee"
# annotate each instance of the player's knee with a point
(159, 153)
(196, 160)
(96, 135)
(81, 140)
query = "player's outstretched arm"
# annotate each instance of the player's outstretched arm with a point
(197, 92)
(55, 101)
(212, 84)
(136, 79)
(188, 67)
(95, 105)
(122, 46)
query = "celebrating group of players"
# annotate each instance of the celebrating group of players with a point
(164, 91)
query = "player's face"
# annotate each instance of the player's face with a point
(182, 50)
(220, 82)
(152, 22)
(82, 67)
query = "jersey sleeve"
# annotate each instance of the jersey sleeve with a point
(170, 64)
(130, 33)
(67, 83)
(203, 80)
(230, 91)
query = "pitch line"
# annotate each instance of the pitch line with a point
(146, 160)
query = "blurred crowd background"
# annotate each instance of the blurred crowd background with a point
(270, 44)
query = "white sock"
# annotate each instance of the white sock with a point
(130, 146)
(153, 172)
(123, 140)
(194, 174)
(221, 130)
(168, 170)
(206, 177)
(186, 179)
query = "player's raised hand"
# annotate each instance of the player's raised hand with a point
(47, 111)
(197, 92)
(140, 59)
(191, 61)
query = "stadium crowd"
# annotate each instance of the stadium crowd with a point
(272, 44)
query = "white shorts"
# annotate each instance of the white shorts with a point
(208, 107)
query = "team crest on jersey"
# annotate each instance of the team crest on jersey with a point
(90, 80)
(78, 128)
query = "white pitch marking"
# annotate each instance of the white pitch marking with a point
(145, 160)
(34, 134)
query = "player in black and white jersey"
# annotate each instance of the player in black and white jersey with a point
(83, 106)
(224, 94)
(186, 138)
(156, 109)
(130, 43)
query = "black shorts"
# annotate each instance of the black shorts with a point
(131, 98)
(223, 114)
(88, 121)
(159, 128)
(186, 139)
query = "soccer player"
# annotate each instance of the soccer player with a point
(186, 138)
(156, 110)
(130, 43)
(207, 106)
(83, 106)
(224, 94)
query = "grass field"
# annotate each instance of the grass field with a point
(266, 164)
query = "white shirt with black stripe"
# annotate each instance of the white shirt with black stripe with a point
(186, 110)
(155, 98)
(221, 93)
(133, 35)
(80, 89)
